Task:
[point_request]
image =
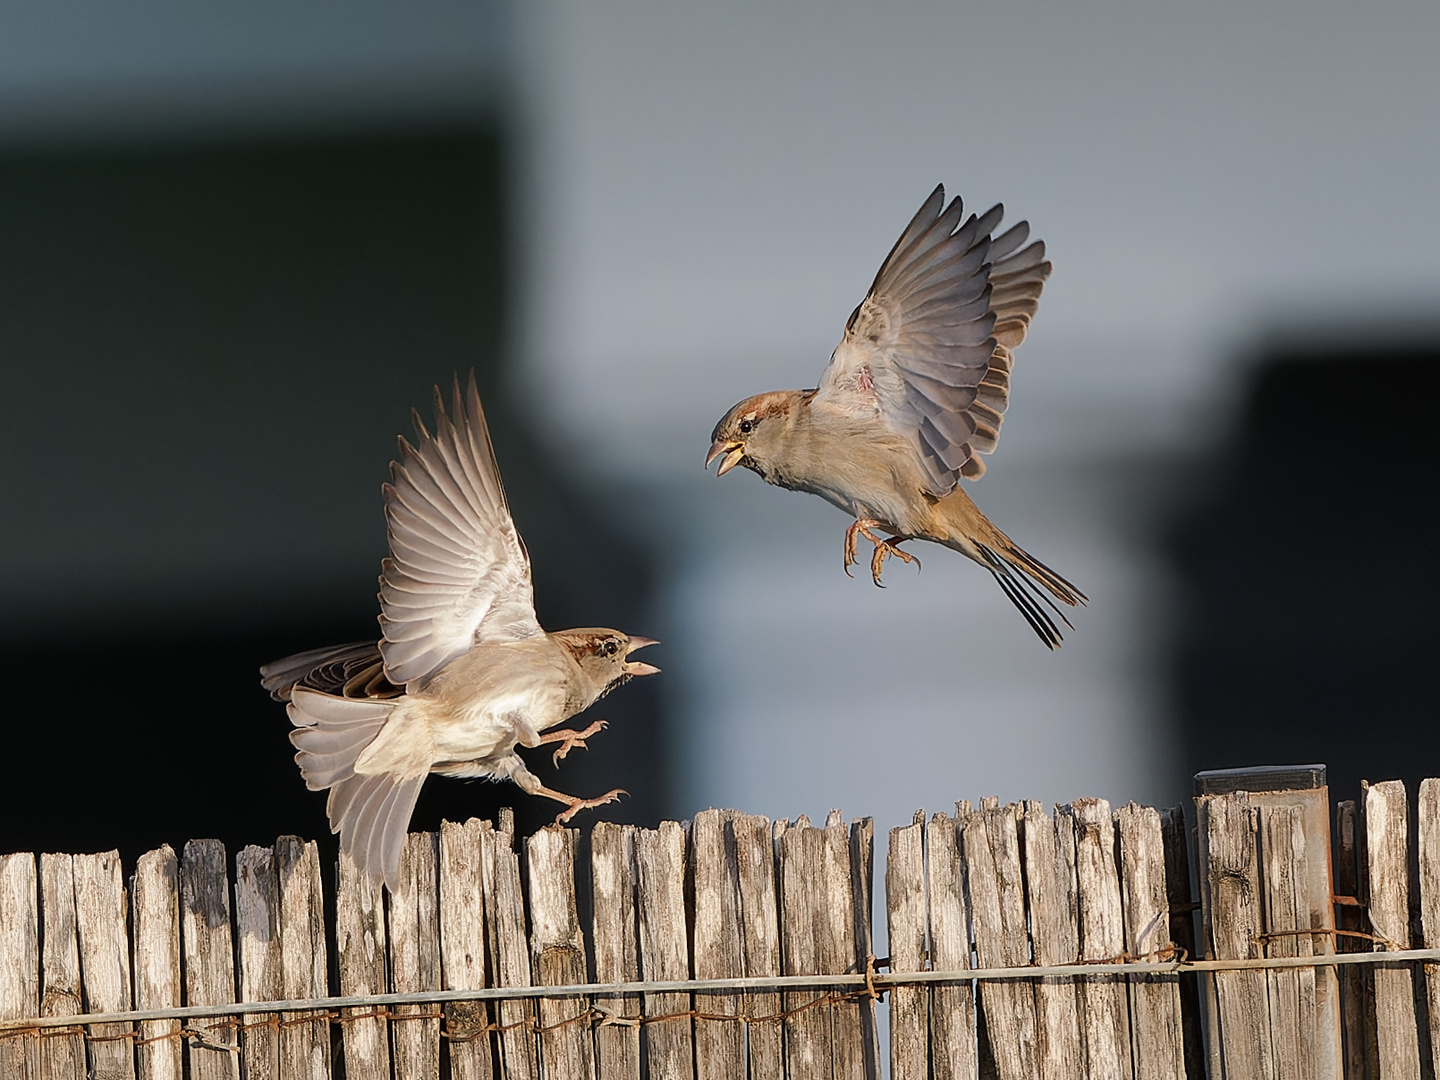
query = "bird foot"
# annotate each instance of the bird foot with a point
(568, 739)
(574, 806)
(883, 547)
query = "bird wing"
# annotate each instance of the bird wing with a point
(931, 346)
(457, 574)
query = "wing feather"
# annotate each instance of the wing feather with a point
(457, 573)
(932, 343)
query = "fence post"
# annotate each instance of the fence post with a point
(1265, 837)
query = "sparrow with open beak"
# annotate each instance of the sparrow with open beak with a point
(914, 392)
(463, 672)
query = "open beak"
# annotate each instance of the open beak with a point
(637, 667)
(732, 450)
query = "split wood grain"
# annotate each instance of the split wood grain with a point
(1102, 938)
(807, 1041)
(1055, 939)
(257, 930)
(462, 950)
(718, 945)
(1293, 1030)
(760, 937)
(155, 890)
(360, 953)
(1428, 843)
(207, 951)
(1175, 834)
(1232, 922)
(905, 911)
(842, 952)
(1386, 835)
(1157, 1046)
(557, 954)
(617, 950)
(62, 1057)
(414, 932)
(509, 945)
(19, 962)
(104, 961)
(991, 847)
(660, 856)
(953, 1050)
(304, 960)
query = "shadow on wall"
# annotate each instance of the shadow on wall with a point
(1308, 573)
(208, 353)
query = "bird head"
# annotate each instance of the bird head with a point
(751, 433)
(603, 656)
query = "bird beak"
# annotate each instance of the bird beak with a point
(732, 450)
(637, 667)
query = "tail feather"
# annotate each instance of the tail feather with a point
(370, 812)
(1020, 575)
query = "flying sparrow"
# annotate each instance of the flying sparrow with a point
(462, 673)
(915, 390)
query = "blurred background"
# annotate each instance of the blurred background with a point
(238, 244)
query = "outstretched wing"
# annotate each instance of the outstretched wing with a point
(457, 573)
(931, 346)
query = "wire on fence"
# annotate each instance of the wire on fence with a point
(868, 984)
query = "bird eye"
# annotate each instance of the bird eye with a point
(610, 648)
(747, 426)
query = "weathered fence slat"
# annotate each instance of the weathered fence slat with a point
(104, 961)
(664, 950)
(617, 951)
(1428, 843)
(257, 927)
(759, 917)
(62, 1057)
(1157, 1047)
(906, 920)
(1050, 895)
(953, 1050)
(557, 954)
(1386, 846)
(209, 969)
(414, 933)
(462, 950)
(1357, 1005)
(304, 967)
(1293, 1028)
(155, 891)
(20, 971)
(1232, 923)
(1102, 937)
(992, 860)
(361, 946)
(509, 945)
(718, 945)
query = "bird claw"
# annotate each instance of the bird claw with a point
(568, 740)
(576, 805)
(883, 547)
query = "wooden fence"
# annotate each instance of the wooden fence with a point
(1022, 944)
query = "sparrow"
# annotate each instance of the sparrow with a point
(462, 673)
(914, 392)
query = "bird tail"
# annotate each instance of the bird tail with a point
(370, 812)
(1027, 582)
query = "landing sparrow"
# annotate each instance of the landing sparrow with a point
(463, 672)
(914, 392)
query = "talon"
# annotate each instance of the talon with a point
(568, 740)
(883, 546)
(576, 805)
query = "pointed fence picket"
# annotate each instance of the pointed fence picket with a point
(692, 925)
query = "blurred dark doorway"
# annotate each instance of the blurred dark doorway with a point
(207, 353)
(1309, 575)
